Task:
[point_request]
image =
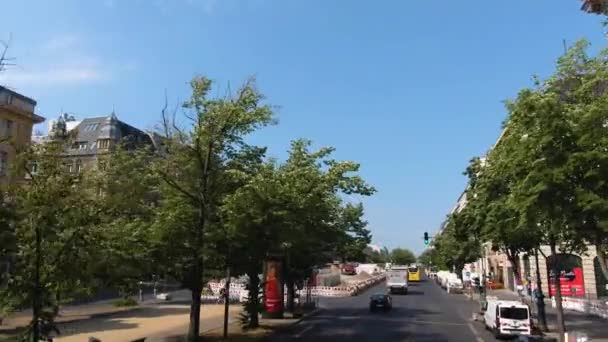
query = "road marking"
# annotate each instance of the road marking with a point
(431, 322)
(475, 333)
(304, 331)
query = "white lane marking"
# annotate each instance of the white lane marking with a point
(304, 331)
(475, 333)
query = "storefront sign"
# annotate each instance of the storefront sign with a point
(571, 283)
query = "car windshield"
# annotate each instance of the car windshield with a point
(378, 297)
(413, 269)
(514, 313)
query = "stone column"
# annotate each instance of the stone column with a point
(589, 273)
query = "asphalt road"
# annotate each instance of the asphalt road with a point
(426, 313)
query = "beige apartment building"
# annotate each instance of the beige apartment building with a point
(17, 118)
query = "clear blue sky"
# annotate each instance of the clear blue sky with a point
(410, 89)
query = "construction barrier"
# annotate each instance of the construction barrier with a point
(593, 307)
(238, 290)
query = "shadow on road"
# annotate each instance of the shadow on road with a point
(352, 324)
(415, 292)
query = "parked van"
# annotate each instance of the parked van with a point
(507, 318)
(454, 285)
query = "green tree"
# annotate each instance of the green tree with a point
(292, 209)
(429, 258)
(51, 234)
(126, 203)
(454, 247)
(197, 173)
(317, 220)
(402, 256)
(552, 192)
(586, 96)
(352, 244)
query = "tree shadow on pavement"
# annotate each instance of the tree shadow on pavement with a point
(593, 326)
(399, 324)
(116, 321)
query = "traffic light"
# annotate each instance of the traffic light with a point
(426, 238)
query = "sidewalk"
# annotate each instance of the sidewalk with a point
(269, 328)
(594, 326)
(155, 322)
(71, 313)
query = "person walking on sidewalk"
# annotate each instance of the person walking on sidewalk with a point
(222, 297)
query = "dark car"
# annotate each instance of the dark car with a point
(380, 301)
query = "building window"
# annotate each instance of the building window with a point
(34, 168)
(78, 166)
(3, 163)
(6, 128)
(103, 143)
(80, 145)
(69, 166)
(91, 127)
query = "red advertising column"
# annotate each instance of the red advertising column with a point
(273, 288)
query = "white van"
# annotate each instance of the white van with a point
(397, 279)
(454, 285)
(507, 318)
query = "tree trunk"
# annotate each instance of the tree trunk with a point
(458, 270)
(542, 317)
(226, 303)
(290, 294)
(561, 328)
(37, 300)
(254, 298)
(601, 258)
(195, 310)
(197, 279)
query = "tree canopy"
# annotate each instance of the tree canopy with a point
(544, 183)
(402, 256)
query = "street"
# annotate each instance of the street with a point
(426, 313)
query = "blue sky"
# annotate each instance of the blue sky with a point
(410, 89)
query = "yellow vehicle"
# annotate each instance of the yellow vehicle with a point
(413, 273)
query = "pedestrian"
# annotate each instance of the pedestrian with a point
(222, 296)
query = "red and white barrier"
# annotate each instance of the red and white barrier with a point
(596, 308)
(316, 291)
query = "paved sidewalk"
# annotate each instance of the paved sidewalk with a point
(155, 322)
(575, 321)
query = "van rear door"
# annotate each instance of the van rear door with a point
(514, 320)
